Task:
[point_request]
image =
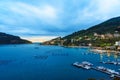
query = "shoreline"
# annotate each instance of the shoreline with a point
(95, 49)
(104, 51)
(77, 46)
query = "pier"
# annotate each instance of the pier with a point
(82, 65)
(110, 72)
(87, 65)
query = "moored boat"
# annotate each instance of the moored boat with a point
(111, 72)
(87, 63)
(84, 65)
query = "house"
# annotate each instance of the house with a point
(102, 36)
(72, 40)
(90, 44)
(116, 34)
(118, 48)
(117, 43)
(96, 35)
(109, 35)
(110, 47)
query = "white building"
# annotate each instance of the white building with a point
(95, 34)
(116, 35)
(117, 43)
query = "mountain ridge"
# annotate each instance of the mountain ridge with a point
(108, 32)
(11, 39)
(96, 28)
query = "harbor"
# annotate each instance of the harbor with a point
(87, 65)
(43, 63)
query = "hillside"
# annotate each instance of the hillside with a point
(11, 39)
(109, 26)
(101, 35)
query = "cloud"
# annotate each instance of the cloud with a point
(27, 18)
(97, 11)
(50, 17)
(101, 9)
(45, 13)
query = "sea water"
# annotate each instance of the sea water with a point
(40, 62)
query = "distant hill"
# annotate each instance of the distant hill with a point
(11, 39)
(109, 26)
(103, 34)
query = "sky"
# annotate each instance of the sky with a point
(41, 20)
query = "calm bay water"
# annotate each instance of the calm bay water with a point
(37, 62)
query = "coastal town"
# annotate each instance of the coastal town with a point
(59, 40)
(106, 41)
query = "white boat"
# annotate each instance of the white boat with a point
(87, 67)
(82, 65)
(87, 63)
(113, 71)
(101, 68)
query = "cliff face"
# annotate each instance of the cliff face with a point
(11, 39)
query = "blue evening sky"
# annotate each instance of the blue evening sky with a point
(45, 19)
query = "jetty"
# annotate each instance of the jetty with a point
(108, 71)
(88, 65)
(84, 65)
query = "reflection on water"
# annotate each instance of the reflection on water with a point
(101, 57)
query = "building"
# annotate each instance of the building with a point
(109, 35)
(90, 44)
(102, 36)
(117, 43)
(118, 48)
(116, 34)
(96, 35)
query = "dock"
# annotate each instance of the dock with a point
(82, 65)
(87, 65)
(110, 72)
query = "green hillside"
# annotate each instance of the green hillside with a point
(109, 26)
(101, 35)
